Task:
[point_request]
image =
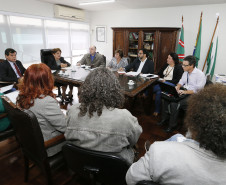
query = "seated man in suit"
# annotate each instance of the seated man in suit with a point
(92, 59)
(142, 64)
(11, 69)
(192, 81)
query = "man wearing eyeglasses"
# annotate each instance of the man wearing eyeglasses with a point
(191, 82)
(142, 64)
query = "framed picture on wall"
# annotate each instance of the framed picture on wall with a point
(101, 33)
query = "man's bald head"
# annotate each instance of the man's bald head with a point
(92, 50)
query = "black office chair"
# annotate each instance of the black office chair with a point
(100, 167)
(45, 55)
(147, 183)
(30, 138)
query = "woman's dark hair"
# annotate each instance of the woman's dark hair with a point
(206, 118)
(37, 82)
(101, 88)
(56, 50)
(120, 52)
(175, 58)
(191, 60)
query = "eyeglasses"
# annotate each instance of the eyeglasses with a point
(185, 65)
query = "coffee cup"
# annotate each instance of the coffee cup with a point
(131, 82)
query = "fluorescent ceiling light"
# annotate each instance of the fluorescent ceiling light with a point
(97, 2)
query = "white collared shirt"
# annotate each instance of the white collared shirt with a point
(14, 69)
(194, 81)
(141, 65)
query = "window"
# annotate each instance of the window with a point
(27, 38)
(29, 35)
(57, 36)
(79, 40)
(4, 36)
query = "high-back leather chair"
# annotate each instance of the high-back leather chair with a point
(45, 54)
(102, 167)
(30, 138)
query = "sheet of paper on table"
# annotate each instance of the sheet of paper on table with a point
(12, 96)
(6, 88)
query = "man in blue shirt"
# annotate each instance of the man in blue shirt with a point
(92, 59)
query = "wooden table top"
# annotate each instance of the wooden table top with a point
(76, 78)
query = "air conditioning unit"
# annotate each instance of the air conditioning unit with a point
(69, 13)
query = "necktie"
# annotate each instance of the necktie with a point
(17, 70)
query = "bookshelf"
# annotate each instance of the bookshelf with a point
(159, 42)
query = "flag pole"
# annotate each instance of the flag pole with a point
(211, 43)
(198, 29)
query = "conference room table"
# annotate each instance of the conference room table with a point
(77, 76)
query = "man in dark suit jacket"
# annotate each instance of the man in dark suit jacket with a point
(11, 69)
(142, 64)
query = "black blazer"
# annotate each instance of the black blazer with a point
(147, 68)
(51, 62)
(7, 73)
(177, 73)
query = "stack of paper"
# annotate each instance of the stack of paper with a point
(131, 73)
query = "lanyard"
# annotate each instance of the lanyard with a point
(187, 78)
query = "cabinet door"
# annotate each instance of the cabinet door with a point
(166, 45)
(119, 41)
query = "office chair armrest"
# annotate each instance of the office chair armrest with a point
(3, 115)
(54, 141)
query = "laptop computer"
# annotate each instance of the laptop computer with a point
(170, 92)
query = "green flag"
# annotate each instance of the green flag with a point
(212, 56)
(197, 49)
(180, 48)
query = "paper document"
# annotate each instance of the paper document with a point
(131, 73)
(12, 96)
(154, 76)
(53, 71)
(6, 88)
(121, 72)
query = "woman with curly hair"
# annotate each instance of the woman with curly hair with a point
(98, 123)
(35, 94)
(198, 159)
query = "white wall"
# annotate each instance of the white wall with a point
(167, 17)
(31, 7)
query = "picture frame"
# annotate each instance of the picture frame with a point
(101, 33)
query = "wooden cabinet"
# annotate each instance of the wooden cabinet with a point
(159, 42)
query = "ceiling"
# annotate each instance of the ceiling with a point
(132, 4)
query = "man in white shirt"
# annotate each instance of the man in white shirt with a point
(192, 81)
(142, 64)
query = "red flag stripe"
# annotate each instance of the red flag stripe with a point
(181, 43)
